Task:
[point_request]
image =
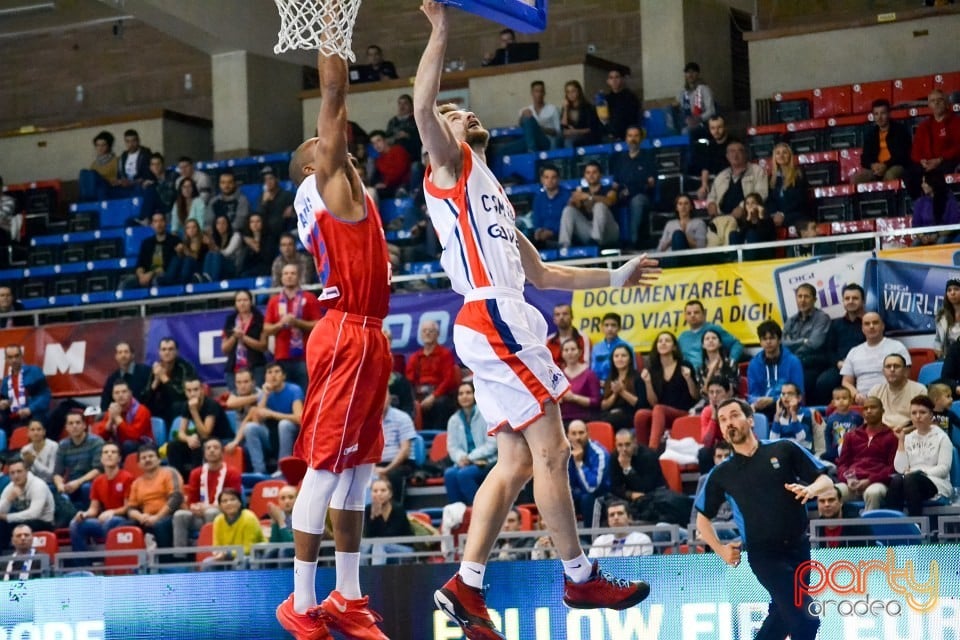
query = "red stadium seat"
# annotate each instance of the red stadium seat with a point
(131, 464)
(907, 90)
(46, 541)
(264, 493)
(686, 427)
(671, 474)
(602, 433)
(234, 460)
(527, 519)
(849, 163)
(120, 539)
(947, 82)
(18, 439)
(920, 356)
(832, 101)
(864, 93)
(205, 539)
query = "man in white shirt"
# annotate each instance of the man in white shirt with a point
(622, 542)
(540, 123)
(863, 367)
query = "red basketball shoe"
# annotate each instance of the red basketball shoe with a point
(302, 626)
(352, 618)
(466, 606)
(603, 591)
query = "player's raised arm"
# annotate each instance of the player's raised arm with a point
(331, 153)
(437, 138)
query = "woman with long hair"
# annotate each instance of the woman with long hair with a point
(189, 254)
(385, 518)
(685, 231)
(223, 250)
(671, 389)
(922, 462)
(622, 389)
(260, 250)
(578, 118)
(243, 341)
(936, 206)
(716, 362)
(582, 402)
(188, 206)
(787, 199)
(471, 450)
(948, 319)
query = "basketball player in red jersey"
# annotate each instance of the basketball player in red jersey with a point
(341, 437)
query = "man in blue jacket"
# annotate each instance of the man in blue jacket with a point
(770, 369)
(589, 470)
(24, 394)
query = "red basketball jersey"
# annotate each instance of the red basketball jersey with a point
(351, 257)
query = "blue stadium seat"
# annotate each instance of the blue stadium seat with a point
(760, 426)
(658, 122)
(418, 450)
(909, 531)
(159, 430)
(930, 373)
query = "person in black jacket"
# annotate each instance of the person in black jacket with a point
(135, 374)
(890, 161)
(156, 254)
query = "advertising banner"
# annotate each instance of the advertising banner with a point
(907, 294)
(827, 275)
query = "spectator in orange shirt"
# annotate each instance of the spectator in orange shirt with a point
(435, 376)
(155, 496)
(108, 496)
(126, 422)
(392, 164)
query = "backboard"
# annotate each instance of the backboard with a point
(525, 16)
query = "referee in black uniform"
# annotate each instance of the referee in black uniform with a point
(760, 481)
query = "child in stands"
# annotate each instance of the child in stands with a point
(792, 421)
(839, 423)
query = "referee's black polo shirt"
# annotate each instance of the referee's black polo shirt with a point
(768, 515)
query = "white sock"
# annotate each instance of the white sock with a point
(304, 585)
(348, 575)
(578, 569)
(472, 574)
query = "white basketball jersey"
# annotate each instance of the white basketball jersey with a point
(476, 225)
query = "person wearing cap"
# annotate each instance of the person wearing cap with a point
(276, 205)
(696, 99)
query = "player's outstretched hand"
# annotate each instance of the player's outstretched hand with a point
(800, 491)
(641, 271)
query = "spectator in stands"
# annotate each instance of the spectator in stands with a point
(634, 475)
(402, 128)
(732, 185)
(540, 122)
(241, 400)
(499, 57)
(382, 69)
(947, 319)
(229, 202)
(831, 507)
(108, 497)
(865, 462)
(385, 518)
(695, 99)
(186, 170)
(670, 386)
(260, 248)
(622, 542)
(189, 255)
(275, 419)
(289, 255)
(276, 205)
(897, 391)
(708, 152)
(805, 334)
(807, 228)
(135, 374)
(715, 362)
(20, 566)
(600, 357)
(95, 182)
(224, 251)
(291, 315)
(126, 422)
(862, 369)
(78, 461)
(844, 334)
(589, 470)
(923, 460)
(392, 164)
(11, 224)
(233, 527)
(40, 454)
(164, 395)
(838, 424)
(26, 500)
(401, 391)
(755, 226)
(633, 177)
(588, 218)
(9, 304)
(691, 340)
(134, 164)
(886, 147)
(787, 199)
(793, 421)
(623, 106)
(936, 207)
(685, 231)
(156, 254)
(472, 451)
(943, 415)
(188, 205)
(244, 342)
(548, 206)
(154, 497)
(159, 191)
(936, 143)
(622, 390)
(202, 493)
(578, 118)
(508, 549)
(772, 367)
(435, 376)
(396, 462)
(201, 420)
(563, 320)
(24, 394)
(281, 515)
(582, 402)
(711, 436)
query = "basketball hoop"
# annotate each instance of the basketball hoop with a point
(324, 25)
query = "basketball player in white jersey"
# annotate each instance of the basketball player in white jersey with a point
(502, 339)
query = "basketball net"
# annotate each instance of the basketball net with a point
(326, 25)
